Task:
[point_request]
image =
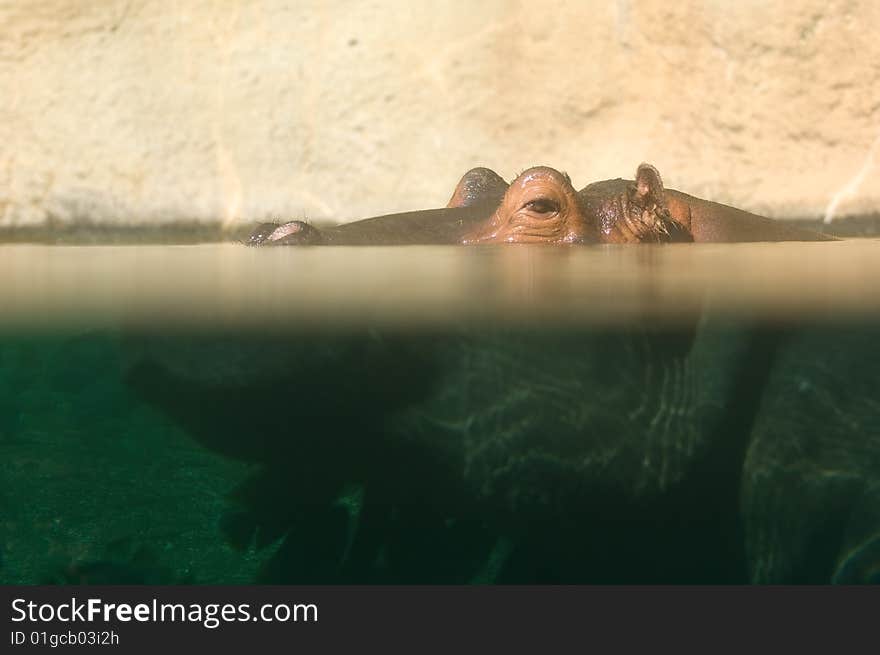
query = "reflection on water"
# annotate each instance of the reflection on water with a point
(697, 414)
(229, 286)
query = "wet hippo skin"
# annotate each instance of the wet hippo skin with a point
(542, 206)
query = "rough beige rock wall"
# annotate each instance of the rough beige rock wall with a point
(160, 110)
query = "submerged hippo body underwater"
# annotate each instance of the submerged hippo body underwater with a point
(542, 206)
(730, 453)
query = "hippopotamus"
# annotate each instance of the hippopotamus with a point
(724, 453)
(542, 206)
(492, 453)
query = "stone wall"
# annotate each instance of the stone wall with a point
(224, 111)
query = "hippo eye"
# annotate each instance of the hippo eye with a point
(542, 206)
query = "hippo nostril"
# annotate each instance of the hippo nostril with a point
(295, 233)
(294, 227)
(286, 234)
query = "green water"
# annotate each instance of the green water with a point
(97, 485)
(455, 456)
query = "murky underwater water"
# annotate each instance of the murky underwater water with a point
(218, 414)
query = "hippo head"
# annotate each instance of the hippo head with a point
(541, 206)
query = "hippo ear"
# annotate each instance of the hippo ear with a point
(649, 186)
(478, 185)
